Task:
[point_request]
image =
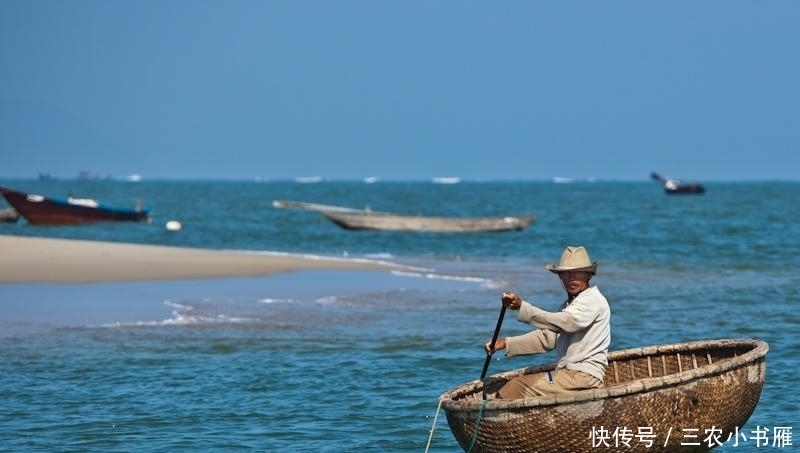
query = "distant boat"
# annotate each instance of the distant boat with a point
(673, 186)
(308, 179)
(133, 178)
(396, 222)
(446, 180)
(367, 219)
(40, 210)
(89, 176)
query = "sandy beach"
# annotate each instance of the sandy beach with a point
(43, 260)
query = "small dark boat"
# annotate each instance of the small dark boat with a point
(673, 186)
(660, 395)
(40, 210)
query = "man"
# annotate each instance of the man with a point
(580, 332)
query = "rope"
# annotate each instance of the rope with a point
(478, 423)
(433, 427)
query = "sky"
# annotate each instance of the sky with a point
(511, 90)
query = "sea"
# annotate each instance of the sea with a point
(355, 361)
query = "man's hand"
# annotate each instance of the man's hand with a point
(499, 345)
(511, 300)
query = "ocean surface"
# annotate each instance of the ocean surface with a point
(354, 361)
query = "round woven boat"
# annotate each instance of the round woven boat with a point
(660, 398)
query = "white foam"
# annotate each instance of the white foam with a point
(268, 300)
(484, 282)
(181, 317)
(327, 300)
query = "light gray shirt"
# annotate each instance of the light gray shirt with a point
(580, 332)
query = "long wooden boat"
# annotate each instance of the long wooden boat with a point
(664, 398)
(367, 219)
(396, 222)
(41, 210)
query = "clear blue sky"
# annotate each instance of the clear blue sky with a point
(400, 89)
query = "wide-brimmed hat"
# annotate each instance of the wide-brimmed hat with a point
(574, 259)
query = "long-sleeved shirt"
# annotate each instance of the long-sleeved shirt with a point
(580, 332)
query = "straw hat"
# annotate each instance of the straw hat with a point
(574, 259)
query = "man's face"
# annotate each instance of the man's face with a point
(575, 281)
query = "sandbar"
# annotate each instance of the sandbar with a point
(26, 259)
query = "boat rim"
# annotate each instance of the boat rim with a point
(642, 385)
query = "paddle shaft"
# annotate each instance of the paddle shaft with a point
(494, 340)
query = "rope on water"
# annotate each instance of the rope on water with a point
(433, 427)
(477, 424)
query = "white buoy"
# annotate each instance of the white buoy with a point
(173, 225)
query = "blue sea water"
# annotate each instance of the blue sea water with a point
(346, 361)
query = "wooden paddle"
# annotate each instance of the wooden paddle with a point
(494, 340)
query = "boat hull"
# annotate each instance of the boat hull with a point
(685, 189)
(675, 391)
(367, 219)
(675, 187)
(389, 222)
(38, 210)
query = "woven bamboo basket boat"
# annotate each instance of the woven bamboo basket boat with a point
(657, 398)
